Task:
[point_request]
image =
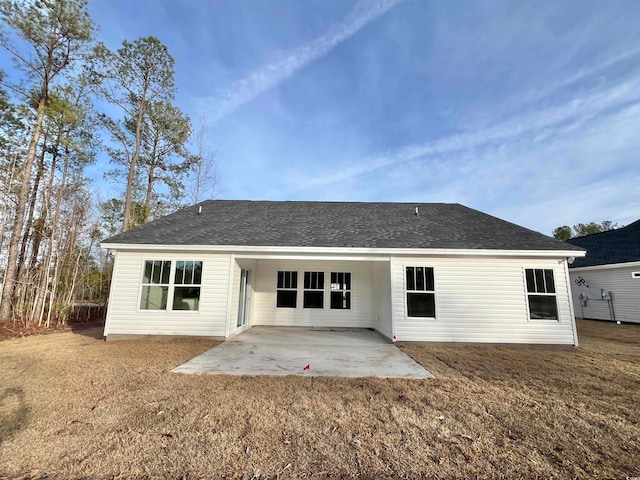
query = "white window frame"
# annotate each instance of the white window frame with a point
(305, 289)
(173, 285)
(150, 284)
(407, 291)
(275, 300)
(168, 309)
(527, 293)
(341, 290)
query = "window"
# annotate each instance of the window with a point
(156, 283)
(187, 282)
(313, 290)
(541, 293)
(421, 295)
(340, 290)
(287, 291)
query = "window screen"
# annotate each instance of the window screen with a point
(155, 285)
(187, 281)
(541, 294)
(420, 292)
(340, 290)
(287, 289)
(313, 296)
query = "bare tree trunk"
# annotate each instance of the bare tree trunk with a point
(127, 197)
(40, 225)
(150, 179)
(31, 209)
(52, 295)
(201, 137)
(71, 293)
(6, 200)
(132, 169)
(44, 280)
(147, 200)
(207, 177)
(12, 256)
(42, 289)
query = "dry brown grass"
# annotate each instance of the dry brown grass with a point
(75, 406)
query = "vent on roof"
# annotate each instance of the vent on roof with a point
(199, 209)
(417, 212)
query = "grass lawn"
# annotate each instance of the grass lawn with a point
(72, 405)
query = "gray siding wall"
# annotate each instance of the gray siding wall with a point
(626, 293)
(125, 317)
(482, 300)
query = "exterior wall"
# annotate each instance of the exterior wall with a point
(382, 299)
(124, 316)
(478, 299)
(482, 299)
(239, 264)
(264, 290)
(618, 280)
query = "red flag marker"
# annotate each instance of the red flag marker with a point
(307, 367)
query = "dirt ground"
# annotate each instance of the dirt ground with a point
(74, 406)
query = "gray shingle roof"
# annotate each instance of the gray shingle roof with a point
(337, 224)
(615, 246)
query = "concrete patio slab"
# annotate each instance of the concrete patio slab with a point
(287, 350)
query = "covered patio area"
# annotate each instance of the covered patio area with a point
(333, 352)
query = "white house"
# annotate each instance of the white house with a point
(423, 272)
(606, 283)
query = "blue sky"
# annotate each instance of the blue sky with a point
(529, 111)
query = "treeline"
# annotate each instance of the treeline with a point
(565, 232)
(67, 100)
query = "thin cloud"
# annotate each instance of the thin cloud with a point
(270, 75)
(581, 74)
(578, 174)
(578, 109)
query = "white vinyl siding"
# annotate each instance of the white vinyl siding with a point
(382, 299)
(359, 315)
(478, 298)
(481, 300)
(619, 281)
(125, 317)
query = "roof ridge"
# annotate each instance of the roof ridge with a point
(632, 224)
(358, 202)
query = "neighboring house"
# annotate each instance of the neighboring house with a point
(606, 283)
(428, 272)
